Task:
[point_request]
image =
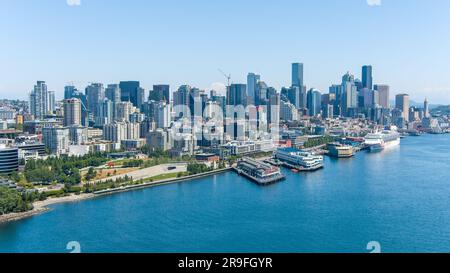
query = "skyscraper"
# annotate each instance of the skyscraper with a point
(383, 91)
(252, 81)
(72, 112)
(367, 81)
(105, 112)
(367, 95)
(402, 104)
(95, 93)
(181, 96)
(336, 90)
(51, 102)
(237, 95)
(273, 109)
(196, 102)
(132, 92)
(69, 90)
(261, 93)
(349, 98)
(162, 115)
(84, 106)
(39, 100)
(298, 96)
(426, 109)
(160, 92)
(112, 93)
(314, 102)
(297, 74)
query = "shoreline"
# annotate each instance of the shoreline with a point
(43, 206)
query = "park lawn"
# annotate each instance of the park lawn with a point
(166, 176)
(103, 173)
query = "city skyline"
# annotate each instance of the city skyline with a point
(79, 44)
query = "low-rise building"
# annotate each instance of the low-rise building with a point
(9, 160)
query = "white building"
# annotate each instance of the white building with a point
(123, 111)
(118, 131)
(115, 132)
(56, 139)
(160, 139)
(162, 115)
(133, 131)
(78, 135)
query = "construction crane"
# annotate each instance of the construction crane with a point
(226, 76)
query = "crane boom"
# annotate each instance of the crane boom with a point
(226, 76)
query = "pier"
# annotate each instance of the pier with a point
(258, 172)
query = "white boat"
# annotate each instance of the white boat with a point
(300, 158)
(382, 140)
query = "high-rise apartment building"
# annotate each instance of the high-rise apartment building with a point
(105, 112)
(72, 112)
(95, 93)
(39, 100)
(56, 139)
(51, 102)
(78, 135)
(123, 110)
(69, 91)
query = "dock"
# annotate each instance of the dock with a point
(273, 162)
(259, 172)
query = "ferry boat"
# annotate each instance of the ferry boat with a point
(298, 159)
(382, 140)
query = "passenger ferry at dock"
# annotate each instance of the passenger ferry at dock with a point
(382, 140)
(340, 151)
(301, 160)
(259, 172)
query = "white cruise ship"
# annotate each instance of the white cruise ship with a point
(382, 140)
(300, 158)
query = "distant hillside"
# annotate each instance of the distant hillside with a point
(444, 110)
(419, 104)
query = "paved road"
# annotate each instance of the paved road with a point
(150, 172)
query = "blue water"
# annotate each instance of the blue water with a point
(399, 197)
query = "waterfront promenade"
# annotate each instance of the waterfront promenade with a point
(150, 172)
(43, 206)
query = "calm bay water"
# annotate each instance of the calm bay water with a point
(399, 197)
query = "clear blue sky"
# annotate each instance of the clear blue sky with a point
(186, 41)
